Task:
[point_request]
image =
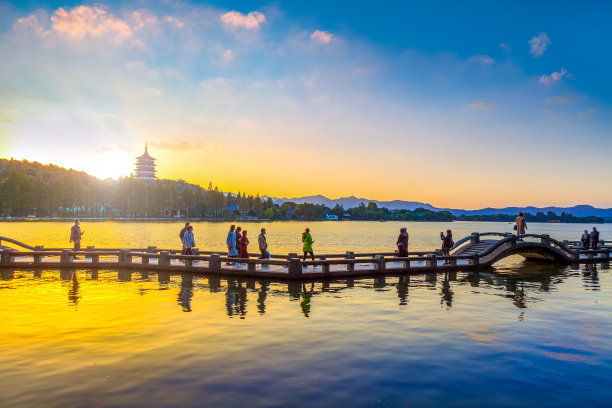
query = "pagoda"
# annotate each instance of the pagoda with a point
(145, 166)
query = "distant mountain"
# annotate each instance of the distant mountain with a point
(352, 201)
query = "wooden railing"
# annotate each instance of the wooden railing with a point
(290, 265)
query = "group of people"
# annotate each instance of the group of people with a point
(590, 239)
(402, 243)
(238, 243)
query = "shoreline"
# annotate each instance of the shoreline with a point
(254, 220)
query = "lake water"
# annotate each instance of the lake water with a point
(521, 334)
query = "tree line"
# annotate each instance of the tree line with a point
(539, 216)
(31, 188)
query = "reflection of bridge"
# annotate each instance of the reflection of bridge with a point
(479, 250)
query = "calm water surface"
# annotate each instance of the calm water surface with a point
(522, 334)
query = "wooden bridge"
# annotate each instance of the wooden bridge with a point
(476, 251)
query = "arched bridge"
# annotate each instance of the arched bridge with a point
(490, 247)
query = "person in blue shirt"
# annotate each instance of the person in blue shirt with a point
(231, 243)
(188, 241)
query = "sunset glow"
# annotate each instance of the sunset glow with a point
(409, 102)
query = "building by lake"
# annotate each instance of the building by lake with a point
(145, 166)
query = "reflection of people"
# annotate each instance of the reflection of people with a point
(261, 297)
(447, 293)
(447, 244)
(594, 238)
(75, 236)
(586, 238)
(73, 290)
(402, 291)
(186, 294)
(402, 243)
(307, 247)
(521, 224)
(305, 303)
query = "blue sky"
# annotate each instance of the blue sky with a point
(440, 98)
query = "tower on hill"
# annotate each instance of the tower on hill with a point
(145, 166)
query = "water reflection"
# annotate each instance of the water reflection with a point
(402, 289)
(186, 293)
(447, 293)
(306, 295)
(522, 286)
(73, 289)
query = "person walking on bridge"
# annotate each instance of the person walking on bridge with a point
(244, 243)
(521, 224)
(447, 244)
(594, 238)
(188, 241)
(307, 247)
(75, 236)
(586, 238)
(263, 244)
(231, 243)
(402, 243)
(182, 236)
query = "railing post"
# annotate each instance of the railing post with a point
(295, 267)
(150, 250)
(214, 263)
(545, 239)
(7, 256)
(38, 258)
(432, 262)
(251, 266)
(124, 257)
(65, 257)
(476, 238)
(380, 264)
(350, 266)
(164, 259)
(324, 267)
(453, 261)
(475, 260)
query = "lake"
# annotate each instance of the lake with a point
(520, 334)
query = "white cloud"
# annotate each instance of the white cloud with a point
(93, 21)
(30, 23)
(322, 37)
(482, 59)
(236, 19)
(554, 77)
(588, 113)
(174, 21)
(560, 99)
(141, 20)
(538, 45)
(225, 53)
(505, 48)
(482, 106)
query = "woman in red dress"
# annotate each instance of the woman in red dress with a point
(244, 242)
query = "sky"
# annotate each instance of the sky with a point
(456, 104)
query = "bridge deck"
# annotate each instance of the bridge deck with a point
(472, 252)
